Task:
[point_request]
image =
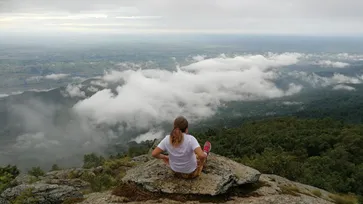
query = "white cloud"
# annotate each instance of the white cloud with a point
(99, 83)
(151, 135)
(318, 81)
(343, 87)
(328, 63)
(149, 97)
(74, 90)
(56, 76)
(78, 79)
(3, 95)
(290, 103)
(49, 77)
(37, 140)
(92, 89)
(199, 57)
(349, 56)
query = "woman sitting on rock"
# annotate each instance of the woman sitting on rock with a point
(186, 158)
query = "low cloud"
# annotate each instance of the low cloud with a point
(328, 63)
(56, 76)
(99, 83)
(46, 140)
(151, 135)
(73, 91)
(343, 87)
(92, 89)
(147, 98)
(48, 77)
(291, 103)
(198, 58)
(3, 95)
(138, 103)
(319, 81)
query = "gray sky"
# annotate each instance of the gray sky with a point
(307, 17)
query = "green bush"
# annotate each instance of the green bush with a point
(92, 160)
(55, 167)
(7, 174)
(102, 182)
(26, 196)
(36, 171)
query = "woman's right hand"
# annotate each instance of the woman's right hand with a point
(166, 160)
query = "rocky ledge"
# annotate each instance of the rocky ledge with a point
(151, 181)
(219, 175)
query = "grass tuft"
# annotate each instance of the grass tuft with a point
(290, 190)
(343, 199)
(316, 193)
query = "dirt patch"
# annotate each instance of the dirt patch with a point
(133, 192)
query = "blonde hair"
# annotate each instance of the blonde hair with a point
(176, 135)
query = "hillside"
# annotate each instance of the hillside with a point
(319, 152)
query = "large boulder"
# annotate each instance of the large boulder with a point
(41, 193)
(219, 175)
(24, 179)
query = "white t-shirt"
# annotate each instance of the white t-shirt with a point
(182, 159)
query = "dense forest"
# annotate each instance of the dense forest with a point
(321, 152)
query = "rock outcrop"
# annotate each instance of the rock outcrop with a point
(151, 181)
(270, 189)
(41, 193)
(219, 175)
(3, 201)
(53, 187)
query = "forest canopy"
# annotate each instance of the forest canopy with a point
(321, 152)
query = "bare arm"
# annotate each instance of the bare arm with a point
(157, 153)
(201, 154)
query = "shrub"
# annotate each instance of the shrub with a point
(36, 171)
(99, 182)
(117, 163)
(102, 182)
(7, 174)
(26, 196)
(92, 160)
(55, 167)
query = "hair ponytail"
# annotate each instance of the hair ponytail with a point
(176, 135)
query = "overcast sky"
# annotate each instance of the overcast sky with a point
(309, 17)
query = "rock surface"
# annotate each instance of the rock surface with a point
(269, 191)
(77, 183)
(68, 173)
(222, 181)
(107, 198)
(3, 201)
(220, 175)
(43, 193)
(24, 179)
